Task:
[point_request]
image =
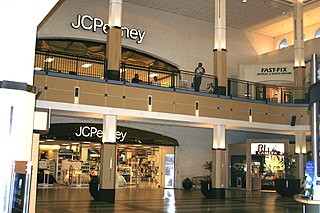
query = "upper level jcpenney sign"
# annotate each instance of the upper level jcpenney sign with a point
(87, 22)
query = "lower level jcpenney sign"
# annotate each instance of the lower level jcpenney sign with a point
(89, 132)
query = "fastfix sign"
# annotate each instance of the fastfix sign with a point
(90, 132)
(94, 24)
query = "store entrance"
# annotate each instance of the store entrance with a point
(143, 166)
(67, 158)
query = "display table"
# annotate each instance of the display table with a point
(309, 206)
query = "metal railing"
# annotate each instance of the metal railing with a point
(47, 61)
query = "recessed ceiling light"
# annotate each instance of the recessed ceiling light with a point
(41, 141)
(86, 142)
(75, 143)
(153, 75)
(65, 144)
(86, 65)
(283, 12)
(244, 1)
(49, 60)
(50, 140)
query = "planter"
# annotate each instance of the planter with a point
(187, 184)
(206, 188)
(212, 193)
(287, 187)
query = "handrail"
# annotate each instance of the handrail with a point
(49, 61)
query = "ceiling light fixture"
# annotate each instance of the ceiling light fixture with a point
(49, 60)
(153, 75)
(244, 1)
(86, 65)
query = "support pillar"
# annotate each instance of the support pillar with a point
(300, 149)
(219, 159)
(108, 159)
(33, 188)
(220, 47)
(299, 60)
(114, 40)
(16, 86)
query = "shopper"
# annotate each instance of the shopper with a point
(155, 81)
(199, 71)
(135, 79)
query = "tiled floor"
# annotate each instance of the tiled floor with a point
(133, 199)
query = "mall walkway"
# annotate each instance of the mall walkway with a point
(77, 200)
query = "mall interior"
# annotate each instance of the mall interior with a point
(107, 109)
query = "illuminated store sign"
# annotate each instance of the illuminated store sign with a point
(86, 131)
(267, 148)
(94, 24)
(274, 71)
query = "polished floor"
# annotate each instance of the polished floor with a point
(144, 199)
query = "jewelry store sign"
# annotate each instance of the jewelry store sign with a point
(267, 148)
(90, 23)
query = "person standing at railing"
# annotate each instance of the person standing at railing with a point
(155, 81)
(199, 71)
(135, 79)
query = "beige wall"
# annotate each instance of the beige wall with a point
(118, 96)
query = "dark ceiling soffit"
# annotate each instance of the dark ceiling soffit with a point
(66, 131)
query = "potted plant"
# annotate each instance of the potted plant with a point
(187, 184)
(206, 183)
(289, 185)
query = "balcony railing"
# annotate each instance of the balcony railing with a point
(182, 80)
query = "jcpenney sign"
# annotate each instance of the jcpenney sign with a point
(87, 22)
(90, 132)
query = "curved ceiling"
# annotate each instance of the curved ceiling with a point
(97, 50)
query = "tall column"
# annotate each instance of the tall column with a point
(108, 159)
(219, 160)
(114, 40)
(299, 61)
(300, 149)
(16, 85)
(220, 45)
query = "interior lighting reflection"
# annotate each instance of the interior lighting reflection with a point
(37, 68)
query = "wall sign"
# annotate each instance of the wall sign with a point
(267, 148)
(269, 73)
(89, 132)
(274, 71)
(87, 22)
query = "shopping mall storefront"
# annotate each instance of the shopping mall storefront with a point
(70, 155)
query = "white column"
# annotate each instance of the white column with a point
(219, 165)
(17, 97)
(301, 148)
(33, 188)
(108, 159)
(219, 140)
(298, 34)
(220, 28)
(114, 40)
